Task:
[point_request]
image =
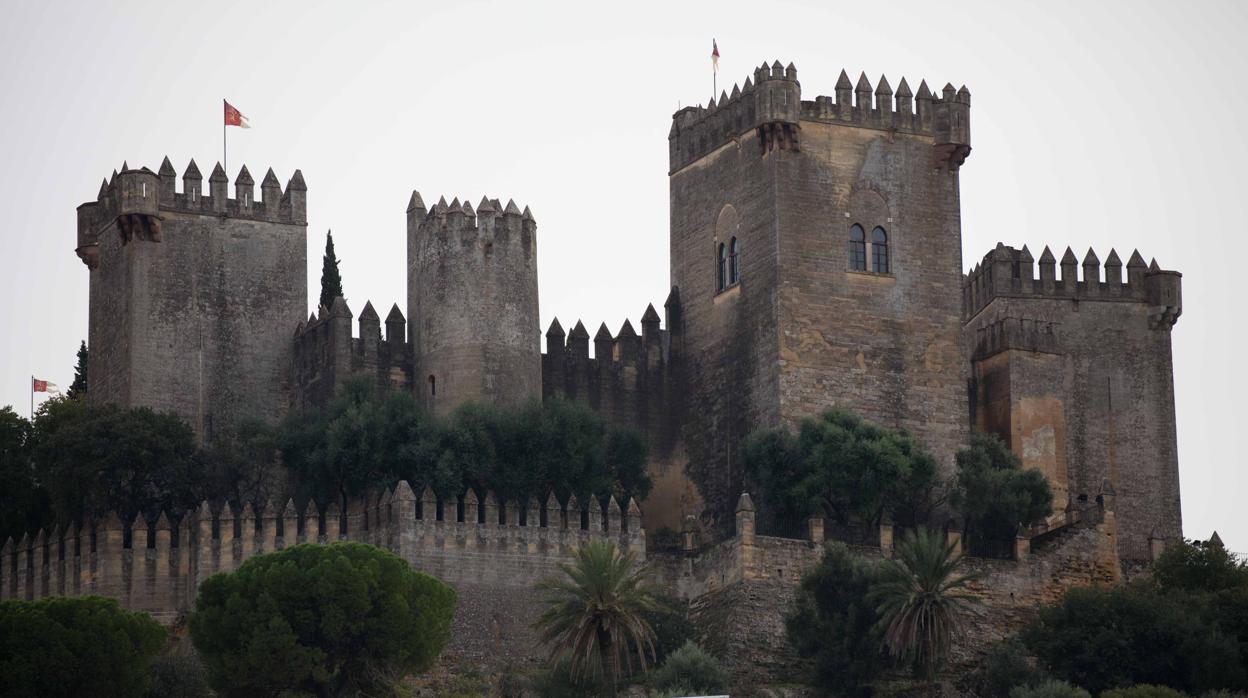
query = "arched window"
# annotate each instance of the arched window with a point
(879, 251)
(857, 248)
(722, 265)
(734, 263)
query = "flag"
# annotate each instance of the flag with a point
(234, 117)
(41, 386)
(714, 55)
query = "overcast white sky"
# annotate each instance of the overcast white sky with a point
(1110, 124)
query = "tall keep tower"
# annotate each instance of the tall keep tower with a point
(472, 302)
(194, 298)
(816, 245)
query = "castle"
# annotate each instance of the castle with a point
(816, 261)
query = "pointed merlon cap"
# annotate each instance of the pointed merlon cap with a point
(744, 503)
(579, 331)
(776, 66)
(369, 313)
(711, 105)
(651, 315)
(486, 206)
(964, 95)
(749, 85)
(626, 330)
(790, 71)
(395, 315)
(556, 330)
(1090, 259)
(864, 85)
(162, 522)
(1216, 541)
(736, 91)
(1024, 255)
(633, 509)
(441, 206)
(166, 168)
(924, 91)
(949, 91)
(723, 96)
(296, 182)
(1136, 261)
(1047, 257)
(1069, 257)
(289, 510)
(125, 165)
(204, 511)
(403, 492)
(552, 502)
(1112, 260)
(603, 332)
(1152, 266)
(339, 308)
(192, 171)
(270, 180)
(843, 83)
(218, 174)
(903, 89)
(883, 87)
(467, 209)
(415, 203)
(455, 205)
(103, 189)
(512, 209)
(244, 177)
(673, 298)
(1001, 253)
(527, 214)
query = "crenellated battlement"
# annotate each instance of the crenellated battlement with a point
(154, 562)
(137, 201)
(770, 103)
(326, 353)
(1009, 272)
(483, 229)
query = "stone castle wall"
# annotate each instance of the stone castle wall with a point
(491, 552)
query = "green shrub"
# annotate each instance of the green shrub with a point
(1144, 690)
(556, 681)
(1003, 668)
(84, 646)
(671, 625)
(327, 619)
(1223, 693)
(1049, 689)
(177, 676)
(690, 667)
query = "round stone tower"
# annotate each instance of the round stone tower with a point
(472, 302)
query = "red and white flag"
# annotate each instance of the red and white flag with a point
(714, 55)
(234, 117)
(42, 386)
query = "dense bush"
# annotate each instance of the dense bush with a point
(834, 624)
(994, 493)
(557, 681)
(1200, 566)
(671, 625)
(1120, 636)
(328, 619)
(177, 676)
(82, 646)
(1144, 691)
(1049, 689)
(690, 667)
(1004, 668)
(841, 466)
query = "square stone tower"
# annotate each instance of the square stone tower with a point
(195, 299)
(817, 249)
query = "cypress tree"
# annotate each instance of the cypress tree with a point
(78, 389)
(331, 280)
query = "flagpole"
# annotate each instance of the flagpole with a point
(32, 397)
(225, 159)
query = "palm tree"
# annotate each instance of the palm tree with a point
(595, 612)
(921, 599)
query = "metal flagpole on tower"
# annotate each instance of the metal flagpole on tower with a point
(225, 159)
(32, 397)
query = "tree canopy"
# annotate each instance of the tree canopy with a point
(95, 459)
(364, 439)
(24, 504)
(79, 646)
(331, 279)
(331, 619)
(842, 466)
(78, 389)
(835, 624)
(994, 493)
